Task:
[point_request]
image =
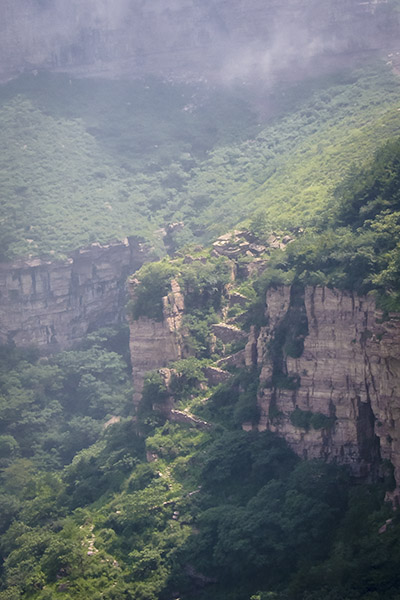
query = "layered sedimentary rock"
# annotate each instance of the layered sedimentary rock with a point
(339, 398)
(181, 37)
(154, 344)
(54, 304)
(329, 369)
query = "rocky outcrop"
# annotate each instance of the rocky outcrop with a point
(330, 379)
(181, 37)
(228, 333)
(179, 416)
(240, 243)
(54, 304)
(154, 344)
(233, 360)
(215, 375)
(329, 372)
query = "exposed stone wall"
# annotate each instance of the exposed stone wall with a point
(54, 304)
(383, 388)
(181, 37)
(349, 371)
(155, 344)
(344, 372)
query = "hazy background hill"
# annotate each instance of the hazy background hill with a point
(190, 38)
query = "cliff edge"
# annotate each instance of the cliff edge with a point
(185, 37)
(330, 377)
(53, 304)
(328, 365)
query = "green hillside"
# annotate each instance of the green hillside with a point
(98, 505)
(98, 160)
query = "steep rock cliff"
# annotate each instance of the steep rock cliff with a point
(154, 344)
(54, 304)
(179, 37)
(328, 364)
(330, 377)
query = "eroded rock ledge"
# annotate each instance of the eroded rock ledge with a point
(155, 344)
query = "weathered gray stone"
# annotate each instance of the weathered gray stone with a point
(233, 360)
(54, 304)
(349, 371)
(179, 416)
(236, 298)
(155, 344)
(228, 333)
(215, 375)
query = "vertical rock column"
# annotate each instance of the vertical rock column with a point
(154, 344)
(383, 387)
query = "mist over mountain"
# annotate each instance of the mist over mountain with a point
(188, 38)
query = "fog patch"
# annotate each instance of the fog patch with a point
(290, 49)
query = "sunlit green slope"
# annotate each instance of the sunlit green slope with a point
(97, 160)
(292, 167)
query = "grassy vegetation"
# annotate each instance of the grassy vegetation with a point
(354, 247)
(85, 161)
(292, 167)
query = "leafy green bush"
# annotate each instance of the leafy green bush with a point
(301, 418)
(320, 421)
(353, 247)
(246, 409)
(371, 190)
(188, 374)
(306, 419)
(154, 389)
(52, 408)
(203, 284)
(154, 284)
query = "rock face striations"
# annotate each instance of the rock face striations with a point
(181, 37)
(330, 377)
(54, 304)
(154, 344)
(329, 369)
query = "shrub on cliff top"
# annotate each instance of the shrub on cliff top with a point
(203, 284)
(154, 284)
(187, 376)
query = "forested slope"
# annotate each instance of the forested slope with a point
(154, 509)
(100, 503)
(93, 161)
(162, 510)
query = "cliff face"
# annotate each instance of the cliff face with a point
(154, 344)
(329, 372)
(330, 377)
(179, 37)
(54, 304)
